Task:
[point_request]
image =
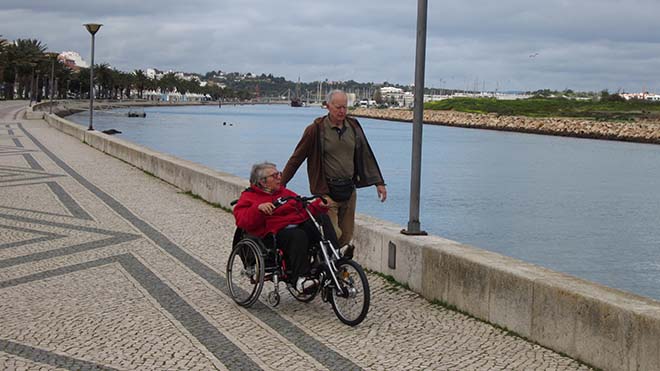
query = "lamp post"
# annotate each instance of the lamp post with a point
(93, 29)
(32, 64)
(418, 121)
(53, 57)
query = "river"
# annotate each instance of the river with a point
(589, 208)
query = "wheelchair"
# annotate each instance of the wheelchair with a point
(254, 261)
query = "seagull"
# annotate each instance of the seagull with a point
(533, 55)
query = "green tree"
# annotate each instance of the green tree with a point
(103, 79)
(168, 82)
(23, 58)
(140, 80)
(378, 96)
(3, 58)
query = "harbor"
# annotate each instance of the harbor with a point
(559, 202)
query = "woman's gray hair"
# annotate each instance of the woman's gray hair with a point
(332, 93)
(258, 170)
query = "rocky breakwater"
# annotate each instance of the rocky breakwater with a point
(643, 131)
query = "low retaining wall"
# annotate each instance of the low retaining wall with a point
(212, 186)
(604, 327)
(642, 131)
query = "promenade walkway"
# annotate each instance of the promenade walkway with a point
(104, 267)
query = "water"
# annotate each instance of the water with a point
(588, 208)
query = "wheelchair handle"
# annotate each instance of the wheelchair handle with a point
(282, 200)
(305, 200)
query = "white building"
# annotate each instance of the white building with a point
(72, 60)
(642, 96)
(396, 96)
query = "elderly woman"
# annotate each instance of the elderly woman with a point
(256, 213)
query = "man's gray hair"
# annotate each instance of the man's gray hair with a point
(258, 171)
(332, 93)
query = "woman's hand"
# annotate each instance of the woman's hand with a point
(266, 208)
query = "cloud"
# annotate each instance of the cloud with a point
(586, 45)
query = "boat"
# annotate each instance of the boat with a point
(296, 101)
(137, 114)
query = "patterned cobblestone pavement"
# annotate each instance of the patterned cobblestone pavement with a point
(103, 267)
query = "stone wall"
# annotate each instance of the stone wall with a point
(643, 131)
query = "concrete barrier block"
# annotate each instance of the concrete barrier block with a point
(34, 115)
(554, 315)
(468, 284)
(408, 259)
(646, 334)
(375, 239)
(511, 298)
(368, 244)
(435, 278)
(602, 333)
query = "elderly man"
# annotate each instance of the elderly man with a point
(339, 159)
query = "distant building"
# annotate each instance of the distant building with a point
(642, 96)
(186, 76)
(72, 60)
(395, 97)
(390, 90)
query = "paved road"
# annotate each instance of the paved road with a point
(105, 267)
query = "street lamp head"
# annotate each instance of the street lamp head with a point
(92, 27)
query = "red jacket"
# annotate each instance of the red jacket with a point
(254, 222)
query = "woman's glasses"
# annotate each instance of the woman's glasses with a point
(276, 175)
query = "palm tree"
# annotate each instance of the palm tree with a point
(3, 61)
(168, 82)
(20, 59)
(27, 54)
(63, 77)
(121, 84)
(103, 74)
(140, 81)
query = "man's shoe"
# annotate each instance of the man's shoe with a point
(348, 253)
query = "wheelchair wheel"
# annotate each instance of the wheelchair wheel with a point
(245, 272)
(351, 300)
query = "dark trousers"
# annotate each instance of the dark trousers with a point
(295, 243)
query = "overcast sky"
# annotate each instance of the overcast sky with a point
(585, 45)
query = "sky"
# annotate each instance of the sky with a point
(506, 45)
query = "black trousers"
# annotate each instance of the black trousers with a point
(295, 243)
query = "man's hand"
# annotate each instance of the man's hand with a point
(266, 208)
(382, 192)
(329, 202)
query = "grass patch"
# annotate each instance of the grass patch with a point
(150, 174)
(393, 284)
(212, 204)
(553, 107)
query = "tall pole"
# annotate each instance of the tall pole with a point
(31, 86)
(92, 28)
(53, 56)
(91, 90)
(52, 77)
(418, 120)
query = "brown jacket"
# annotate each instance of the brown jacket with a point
(310, 148)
